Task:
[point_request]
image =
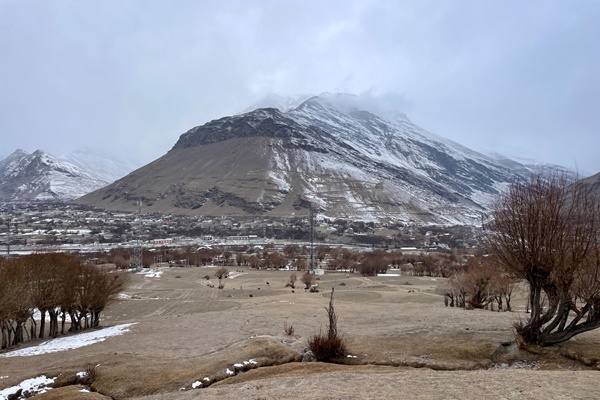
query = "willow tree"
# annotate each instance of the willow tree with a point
(545, 231)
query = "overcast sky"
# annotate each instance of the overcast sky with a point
(519, 77)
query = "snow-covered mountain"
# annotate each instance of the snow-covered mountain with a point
(41, 176)
(282, 103)
(347, 157)
(109, 167)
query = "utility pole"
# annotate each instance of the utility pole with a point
(8, 238)
(312, 238)
(136, 257)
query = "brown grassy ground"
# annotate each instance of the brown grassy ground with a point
(405, 341)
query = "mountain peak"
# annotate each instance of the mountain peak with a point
(41, 176)
(282, 103)
(264, 122)
(340, 153)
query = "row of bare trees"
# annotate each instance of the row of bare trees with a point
(335, 258)
(481, 283)
(59, 286)
(545, 232)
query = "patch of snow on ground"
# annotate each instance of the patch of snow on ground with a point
(236, 274)
(388, 274)
(153, 273)
(34, 386)
(70, 342)
(196, 384)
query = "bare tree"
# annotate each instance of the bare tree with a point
(226, 256)
(292, 282)
(56, 284)
(546, 231)
(322, 251)
(374, 263)
(254, 261)
(308, 279)
(221, 272)
(277, 260)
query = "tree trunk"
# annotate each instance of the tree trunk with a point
(42, 323)
(5, 339)
(507, 300)
(33, 328)
(63, 318)
(53, 323)
(18, 338)
(96, 318)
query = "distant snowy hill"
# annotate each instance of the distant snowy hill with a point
(109, 167)
(41, 176)
(528, 166)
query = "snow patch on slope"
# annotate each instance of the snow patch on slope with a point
(70, 342)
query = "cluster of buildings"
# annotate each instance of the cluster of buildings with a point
(35, 226)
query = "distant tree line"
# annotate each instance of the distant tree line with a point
(58, 286)
(297, 256)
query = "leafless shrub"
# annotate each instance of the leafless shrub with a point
(332, 346)
(292, 282)
(288, 329)
(89, 375)
(308, 279)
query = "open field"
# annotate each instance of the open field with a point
(405, 343)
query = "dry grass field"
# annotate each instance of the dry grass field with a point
(404, 343)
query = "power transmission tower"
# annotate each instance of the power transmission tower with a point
(8, 237)
(137, 256)
(312, 238)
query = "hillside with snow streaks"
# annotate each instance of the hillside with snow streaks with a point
(344, 156)
(41, 176)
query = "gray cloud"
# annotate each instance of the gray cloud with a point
(132, 76)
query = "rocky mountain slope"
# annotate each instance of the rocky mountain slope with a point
(41, 176)
(592, 184)
(346, 158)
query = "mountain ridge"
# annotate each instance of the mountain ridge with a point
(329, 152)
(41, 176)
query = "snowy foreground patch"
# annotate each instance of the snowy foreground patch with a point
(70, 342)
(28, 387)
(237, 367)
(153, 273)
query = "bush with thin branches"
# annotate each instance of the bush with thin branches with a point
(288, 329)
(332, 346)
